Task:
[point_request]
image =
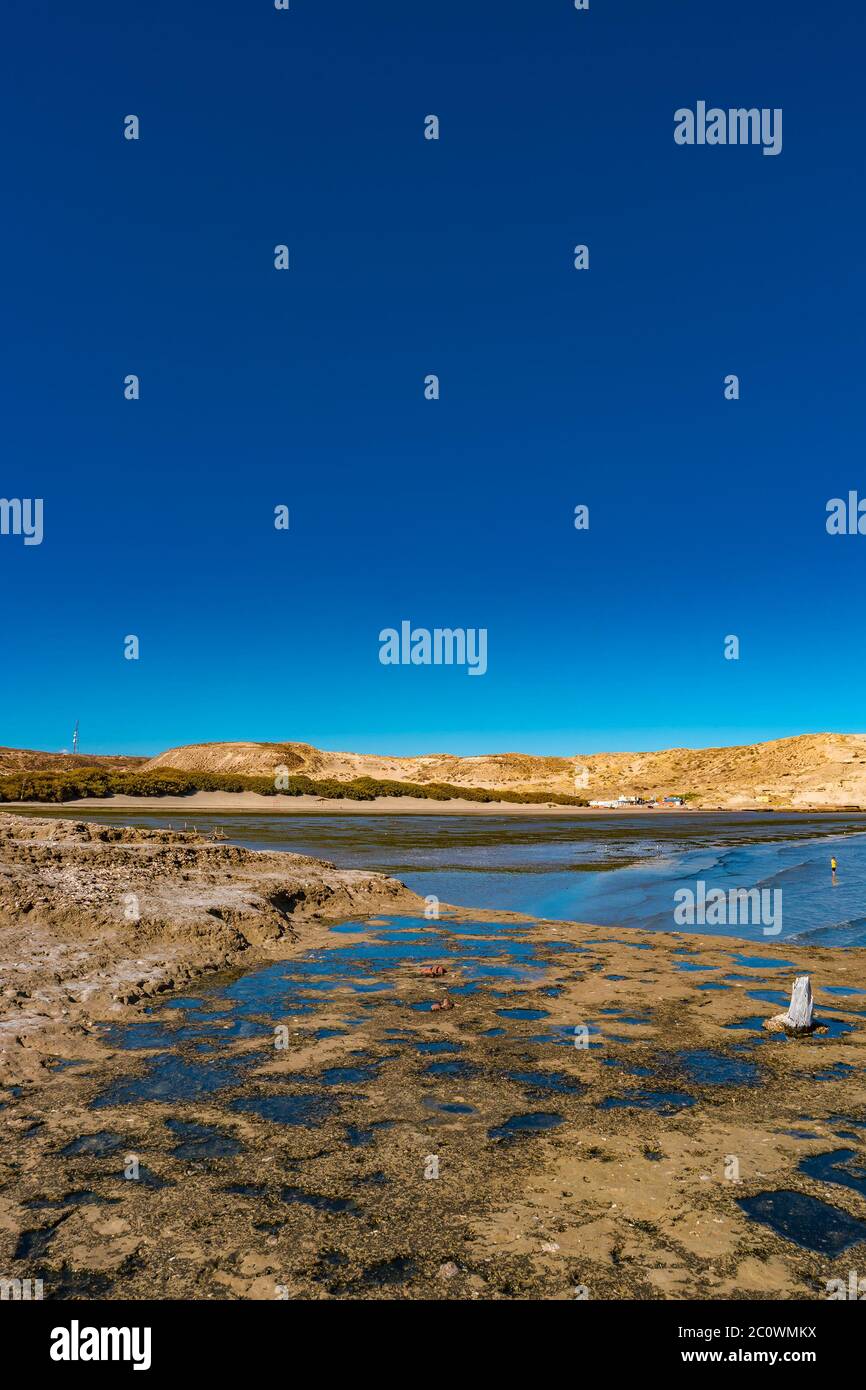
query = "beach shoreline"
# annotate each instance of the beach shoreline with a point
(238, 803)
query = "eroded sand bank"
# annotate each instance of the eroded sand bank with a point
(589, 1115)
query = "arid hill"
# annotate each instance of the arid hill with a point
(14, 760)
(811, 770)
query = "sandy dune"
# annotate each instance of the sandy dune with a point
(811, 770)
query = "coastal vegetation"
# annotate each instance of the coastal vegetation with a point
(77, 784)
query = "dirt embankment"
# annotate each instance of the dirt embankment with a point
(809, 771)
(93, 916)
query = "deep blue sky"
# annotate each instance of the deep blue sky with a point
(408, 257)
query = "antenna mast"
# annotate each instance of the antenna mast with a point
(75, 739)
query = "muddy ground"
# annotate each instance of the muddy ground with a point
(585, 1121)
(95, 916)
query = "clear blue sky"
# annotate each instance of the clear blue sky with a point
(258, 127)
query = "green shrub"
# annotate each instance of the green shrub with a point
(168, 781)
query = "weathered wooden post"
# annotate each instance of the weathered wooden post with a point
(800, 1014)
(800, 1009)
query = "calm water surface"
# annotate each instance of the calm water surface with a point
(620, 870)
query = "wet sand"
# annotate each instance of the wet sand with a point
(586, 1121)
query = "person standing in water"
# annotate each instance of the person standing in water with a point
(833, 869)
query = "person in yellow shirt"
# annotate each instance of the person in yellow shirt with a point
(833, 869)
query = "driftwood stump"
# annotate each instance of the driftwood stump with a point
(800, 1016)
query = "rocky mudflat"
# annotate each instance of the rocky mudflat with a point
(93, 917)
(349, 1100)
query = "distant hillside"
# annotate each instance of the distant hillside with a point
(814, 770)
(32, 760)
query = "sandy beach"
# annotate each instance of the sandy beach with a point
(593, 1112)
(236, 802)
(240, 802)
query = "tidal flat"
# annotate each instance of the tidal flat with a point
(583, 1118)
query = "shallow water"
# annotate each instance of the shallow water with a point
(621, 870)
(97, 1145)
(505, 1097)
(172, 1071)
(198, 1143)
(665, 1102)
(307, 1111)
(534, 1122)
(715, 1069)
(805, 1220)
(169, 1077)
(841, 1166)
(334, 1205)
